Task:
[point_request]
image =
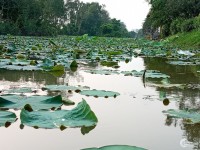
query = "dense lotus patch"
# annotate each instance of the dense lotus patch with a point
(80, 116)
(99, 93)
(11, 101)
(116, 147)
(6, 118)
(189, 116)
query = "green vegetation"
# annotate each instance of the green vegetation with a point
(179, 19)
(167, 17)
(55, 17)
(187, 40)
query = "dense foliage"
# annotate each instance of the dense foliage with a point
(168, 17)
(53, 17)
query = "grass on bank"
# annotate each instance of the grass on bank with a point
(187, 41)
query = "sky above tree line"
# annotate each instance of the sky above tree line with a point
(131, 12)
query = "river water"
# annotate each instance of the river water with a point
(134, 118)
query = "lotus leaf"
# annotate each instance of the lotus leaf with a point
(80, 116)
(25, 68)
(7, 117)
(148, 74)
(109, 63)
(99, 93)
(116, 147)
(184, 63)
(191, 116)
(11, 101)
(103, 72)
(20, 90)
(62, 88)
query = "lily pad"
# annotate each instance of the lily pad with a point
(116, 147)
(62, 88)
(80, 116)
(103, 72)
(191, 116)
(184, 63)
(20, 90)
(7, 117)
(99, 93)
(148, 74)
(11, 101)
(109, 63)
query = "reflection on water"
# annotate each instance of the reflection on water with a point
(133, 118)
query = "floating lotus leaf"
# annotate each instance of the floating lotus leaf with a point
(25, 68)
(148, 74)
(155, 74)
(20, 90)
(184, 63)
(109, 63)
(186, 53)
(11, 101)
(63, 88)
(99, 93)
(103, 72)
(190, 116)
(116, 147)
(7, 117)
(80, 116)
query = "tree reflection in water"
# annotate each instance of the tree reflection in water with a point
(189, 98)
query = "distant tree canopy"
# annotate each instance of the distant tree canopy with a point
(53, 17)
(171, 16)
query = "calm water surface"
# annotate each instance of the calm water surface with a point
(133, 118)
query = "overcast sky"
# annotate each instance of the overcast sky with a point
(131, 12)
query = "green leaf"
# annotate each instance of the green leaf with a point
(80, 116)
(148, 74)
(103, 72)
(99, 93)
(62, 88)
(109, 63)
(20, 90)
(36, 102)
(7, 117)
(116, 147)
(190, 116)
(67, 102)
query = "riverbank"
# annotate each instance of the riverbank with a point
(186, 41)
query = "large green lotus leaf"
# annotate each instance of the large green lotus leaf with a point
(7, 117)
(103, 72)
(191, 116)
(80, 116)
(116, 147)
(11, 101)
(99, 93)
(62, 87)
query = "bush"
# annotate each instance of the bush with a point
(175, 26)
(9, 28)
(197, 22)
(187, 25)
